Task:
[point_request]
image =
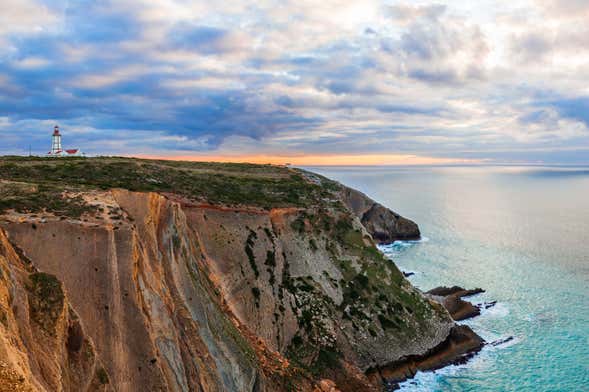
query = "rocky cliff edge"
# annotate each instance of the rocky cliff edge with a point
(166, 285)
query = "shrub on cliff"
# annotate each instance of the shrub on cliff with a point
(261, 186)
(46, 300)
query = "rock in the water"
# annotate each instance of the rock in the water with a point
(461, 345)
(451, 298)
(445, 291)
(386, 226)
(501, 341)
(486, 305)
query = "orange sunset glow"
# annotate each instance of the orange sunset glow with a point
(323, 160)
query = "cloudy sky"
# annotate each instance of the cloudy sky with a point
(323, 81)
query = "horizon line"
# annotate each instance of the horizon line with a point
(376, 160)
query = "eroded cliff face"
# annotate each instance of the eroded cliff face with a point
(141, 287)
(159, 292)
(174, 296)
(43, 346)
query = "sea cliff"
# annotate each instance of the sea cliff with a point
(132, 275)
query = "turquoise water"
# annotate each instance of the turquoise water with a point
(522, 234)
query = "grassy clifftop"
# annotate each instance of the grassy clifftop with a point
(31, 183)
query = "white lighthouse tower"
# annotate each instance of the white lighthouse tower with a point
(56, 142)
(57, 151)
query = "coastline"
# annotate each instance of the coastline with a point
(461, 345)
(458, 348)
(340, 304)
(505, 245)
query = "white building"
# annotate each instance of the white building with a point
(57, 151)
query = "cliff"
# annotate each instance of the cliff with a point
(43, 345)
(128, 275)
(384, 225)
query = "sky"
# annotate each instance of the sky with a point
(305, 82)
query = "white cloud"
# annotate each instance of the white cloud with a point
(31, 63)
(210, 83)
(565, 8)
(24, 17)
(365, 75)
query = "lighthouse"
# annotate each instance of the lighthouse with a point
(57, 151)
(56, 142)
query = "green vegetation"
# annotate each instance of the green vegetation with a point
(270, 258)
(320, 221)
(328, 358)
(375, 294)
(271, 263)
(46, 300)
(29, 198)
(256, 293)
(313, 347)
(3, 317)
(312, 359)
(298, 225)
(376, 297)
(249, 251)
(263, 186)
(102, 376)
(269, 234)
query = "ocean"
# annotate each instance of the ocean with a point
(520, 233)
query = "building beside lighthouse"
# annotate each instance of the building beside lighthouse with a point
(57, 150)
